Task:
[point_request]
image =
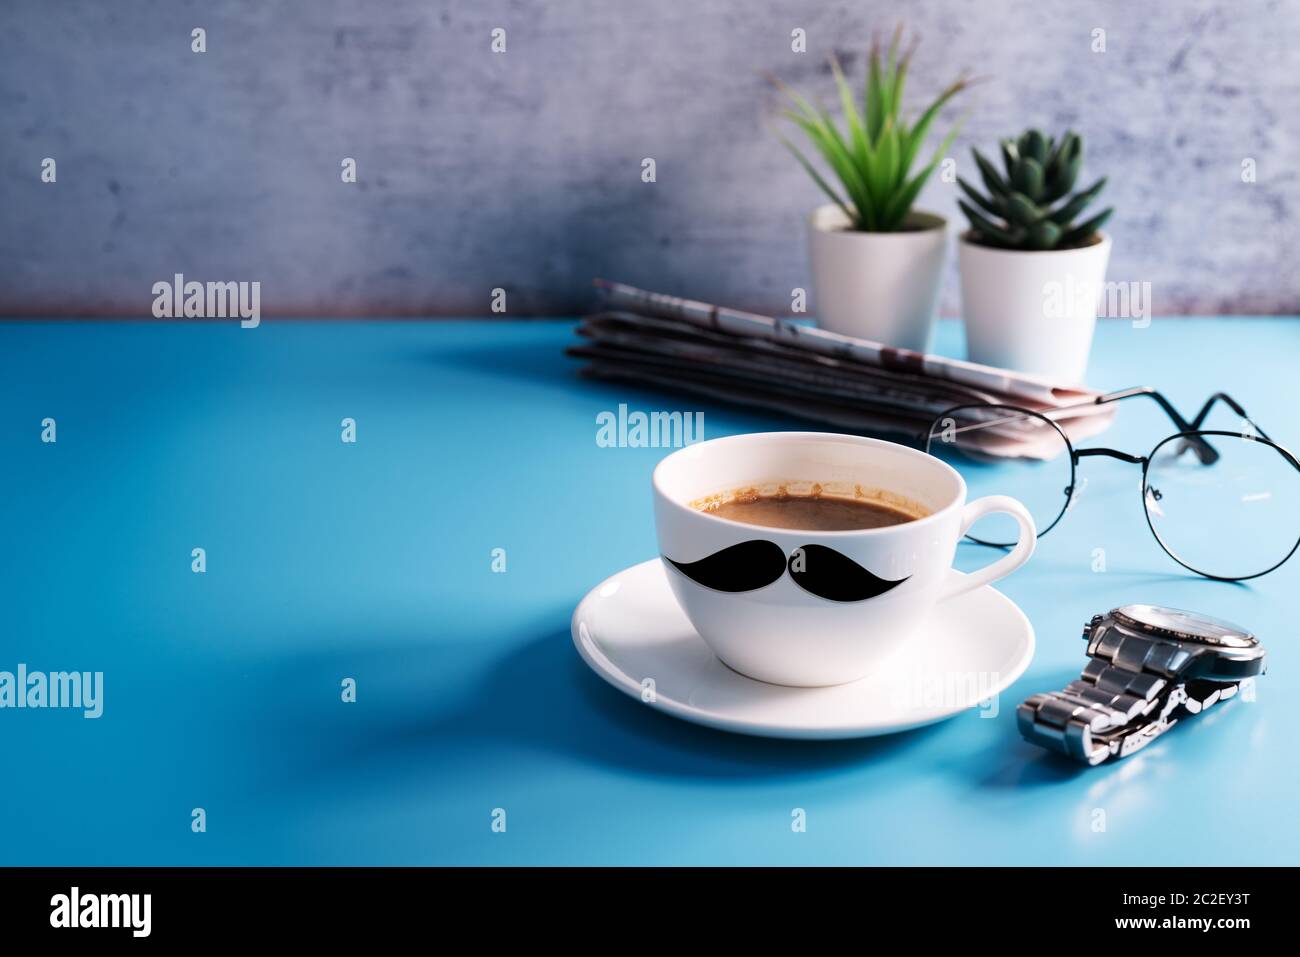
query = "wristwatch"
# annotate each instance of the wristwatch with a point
(1149, 667)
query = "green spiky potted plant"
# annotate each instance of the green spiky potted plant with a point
(1033, 265)
(877, 263)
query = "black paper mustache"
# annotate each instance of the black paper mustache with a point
(818, 570)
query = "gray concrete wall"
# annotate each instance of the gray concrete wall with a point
(522, 170)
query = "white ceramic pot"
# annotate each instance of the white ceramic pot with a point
(878, 286)
(1032, 312)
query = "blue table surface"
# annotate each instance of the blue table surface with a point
(373, 561)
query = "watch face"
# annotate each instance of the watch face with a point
(1186, 625)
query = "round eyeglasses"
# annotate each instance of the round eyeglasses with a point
(1223, 504)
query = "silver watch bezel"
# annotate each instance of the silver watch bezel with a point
(1231, 636)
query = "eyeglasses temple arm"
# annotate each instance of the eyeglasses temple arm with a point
(1232, 404)
(1204, 451)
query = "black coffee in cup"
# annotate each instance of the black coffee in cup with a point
(823, 513)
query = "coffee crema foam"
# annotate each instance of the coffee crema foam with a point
(852, 492)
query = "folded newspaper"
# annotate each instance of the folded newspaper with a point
(738, 357)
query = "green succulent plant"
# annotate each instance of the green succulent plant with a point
(1020, 210)
(873, 157)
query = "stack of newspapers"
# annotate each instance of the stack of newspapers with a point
(793, 368)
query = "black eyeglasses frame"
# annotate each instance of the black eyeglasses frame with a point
(1188, 431)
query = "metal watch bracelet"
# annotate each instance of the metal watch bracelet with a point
(1128, 695)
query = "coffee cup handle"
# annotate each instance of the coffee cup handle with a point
(1024, 547)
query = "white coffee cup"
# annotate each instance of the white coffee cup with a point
(780, 632)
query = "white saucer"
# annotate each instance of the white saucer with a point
(629, 629)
